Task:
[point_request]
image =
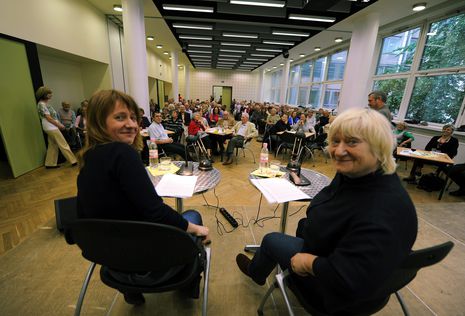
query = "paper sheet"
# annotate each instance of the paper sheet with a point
(173, 185)
(278, 190)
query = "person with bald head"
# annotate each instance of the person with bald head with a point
(243, 131)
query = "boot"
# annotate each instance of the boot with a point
(228, 160)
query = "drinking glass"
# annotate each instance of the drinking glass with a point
(165, 163)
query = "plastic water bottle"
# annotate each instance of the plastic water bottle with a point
(264, 158)
(153, 153)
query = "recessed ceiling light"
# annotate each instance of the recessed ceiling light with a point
(232, 50)
(281, 64)
(159, 46)
(290, 33)
(226, 55)
(192, 26)
(261, 3)
(150, 38)
(170, 58)
(261, 55)
(314, 18)
(268, 50)
(338, 39)
(291, 60)
(419, 6)
(118, 7)
(199, 51)
(235, 44)
(302, 55)
(274, 67)
(278, 43)
(200, 45)
(241, 35)
(317, 49)
(177, 7)
(194, 37)
(165, 53)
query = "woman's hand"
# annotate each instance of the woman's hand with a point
(301, 264)
(198, 230)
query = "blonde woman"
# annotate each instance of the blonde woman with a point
(358, 229)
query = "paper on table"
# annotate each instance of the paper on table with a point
(176, 186)
(279, 190)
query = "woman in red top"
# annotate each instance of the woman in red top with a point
(197, 126)
(214, 116)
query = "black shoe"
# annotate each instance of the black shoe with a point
(134, 298)
(243, 262)
(459, 192)
(52, 167)
(410, 180)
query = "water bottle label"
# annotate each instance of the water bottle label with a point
(263, 157)
(153, 153)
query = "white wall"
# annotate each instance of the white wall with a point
(73, 26)
(244, 84)
(157, 66)
(64, 78)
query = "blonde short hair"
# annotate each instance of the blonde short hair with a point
(373, 128)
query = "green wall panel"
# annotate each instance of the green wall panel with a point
(19, 122)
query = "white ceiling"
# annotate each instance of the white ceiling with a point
(388, 10)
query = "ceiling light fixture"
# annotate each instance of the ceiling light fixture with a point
(268, 50)
(252, 62)
(302, 55)
(241, 35)
(338, 39)
(226, 55)
(291, 60)
(419, 6)
(200, 45)
(317, 49)
(278, 43)
(257, 59)
(260, 3)
(118, 7)
(165, 53)
(202, 38)
(177, 7)
(235, 44)
(150, 38)
(281, 64)
(192, 26)
(200, 56)
(232, 51)
(227, 59)
(199, 51)
(159, 46)
(170, 58)
(314, 18)
(290, 33)
(261, 55)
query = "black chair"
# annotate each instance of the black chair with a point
(319, 143)
(65, 212)
(244, 147)
(133, 247)
(401, 277)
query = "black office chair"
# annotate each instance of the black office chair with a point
(65, 212)
(401, 277)
(244, 147)
(133, 247)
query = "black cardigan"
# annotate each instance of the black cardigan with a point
(113, 184)
(449, 148)
(361, 230)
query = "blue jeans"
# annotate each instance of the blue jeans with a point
(276, 248)
(193, 217)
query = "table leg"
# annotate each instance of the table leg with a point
(179, 205)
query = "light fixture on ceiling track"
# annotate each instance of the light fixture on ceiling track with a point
(200, 45)
(290, 33)
(227, 55)
(278, 43)
(189, 8)
(199, 51)
(268, 50)
(240, 35)
(235, 44)
(260, 3)
(231, 50)
(194, 37)
(314, 18)
(192, 26)
(261, 55)
(419, 6)
(118, 7)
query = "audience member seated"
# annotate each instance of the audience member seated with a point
(227, 121)
(445, 143)
(81, 122)
(457, 174)
(198, 127)
(214, 116)
(67, 117)
(403, 137)
(113, 183)
(303, 125)
(280, 126)
(144, 121)
(293, 118)
(185, 116)
(322, 121)
(84, 103)
(272, 118)
(358, 230)
(258, 117)
(175, 125)
(243, 130)
(167, 144)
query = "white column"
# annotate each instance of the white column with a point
(135, 52)
(174, 75)
(358, 72)
(261, 85)
(284, 82)
(187, 82)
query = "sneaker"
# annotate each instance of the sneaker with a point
(134, 298)
(459, 192)
(243, 262)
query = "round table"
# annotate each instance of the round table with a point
(206, 180)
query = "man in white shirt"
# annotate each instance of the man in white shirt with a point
(243, 131)
(157, 132)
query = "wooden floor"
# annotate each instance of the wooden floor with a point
(41, 275)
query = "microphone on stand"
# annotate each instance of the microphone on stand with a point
(187, 168)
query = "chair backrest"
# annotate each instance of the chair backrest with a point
(65, 212)
(288, 137)
(131, 246)
(415, 261)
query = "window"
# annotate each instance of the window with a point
(332, 92)
(397, 52)
(275, 86)
(319, 69)
(302, 99)
(292, 95)
(306, 72)
(445, 44)
(394, 88)
(437, 99)
(294, 75)
(337, 64)
(314, 96)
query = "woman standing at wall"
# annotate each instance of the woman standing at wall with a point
(52, 126)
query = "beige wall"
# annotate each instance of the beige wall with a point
(157, 67)
(58, 24)
(244, 84)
